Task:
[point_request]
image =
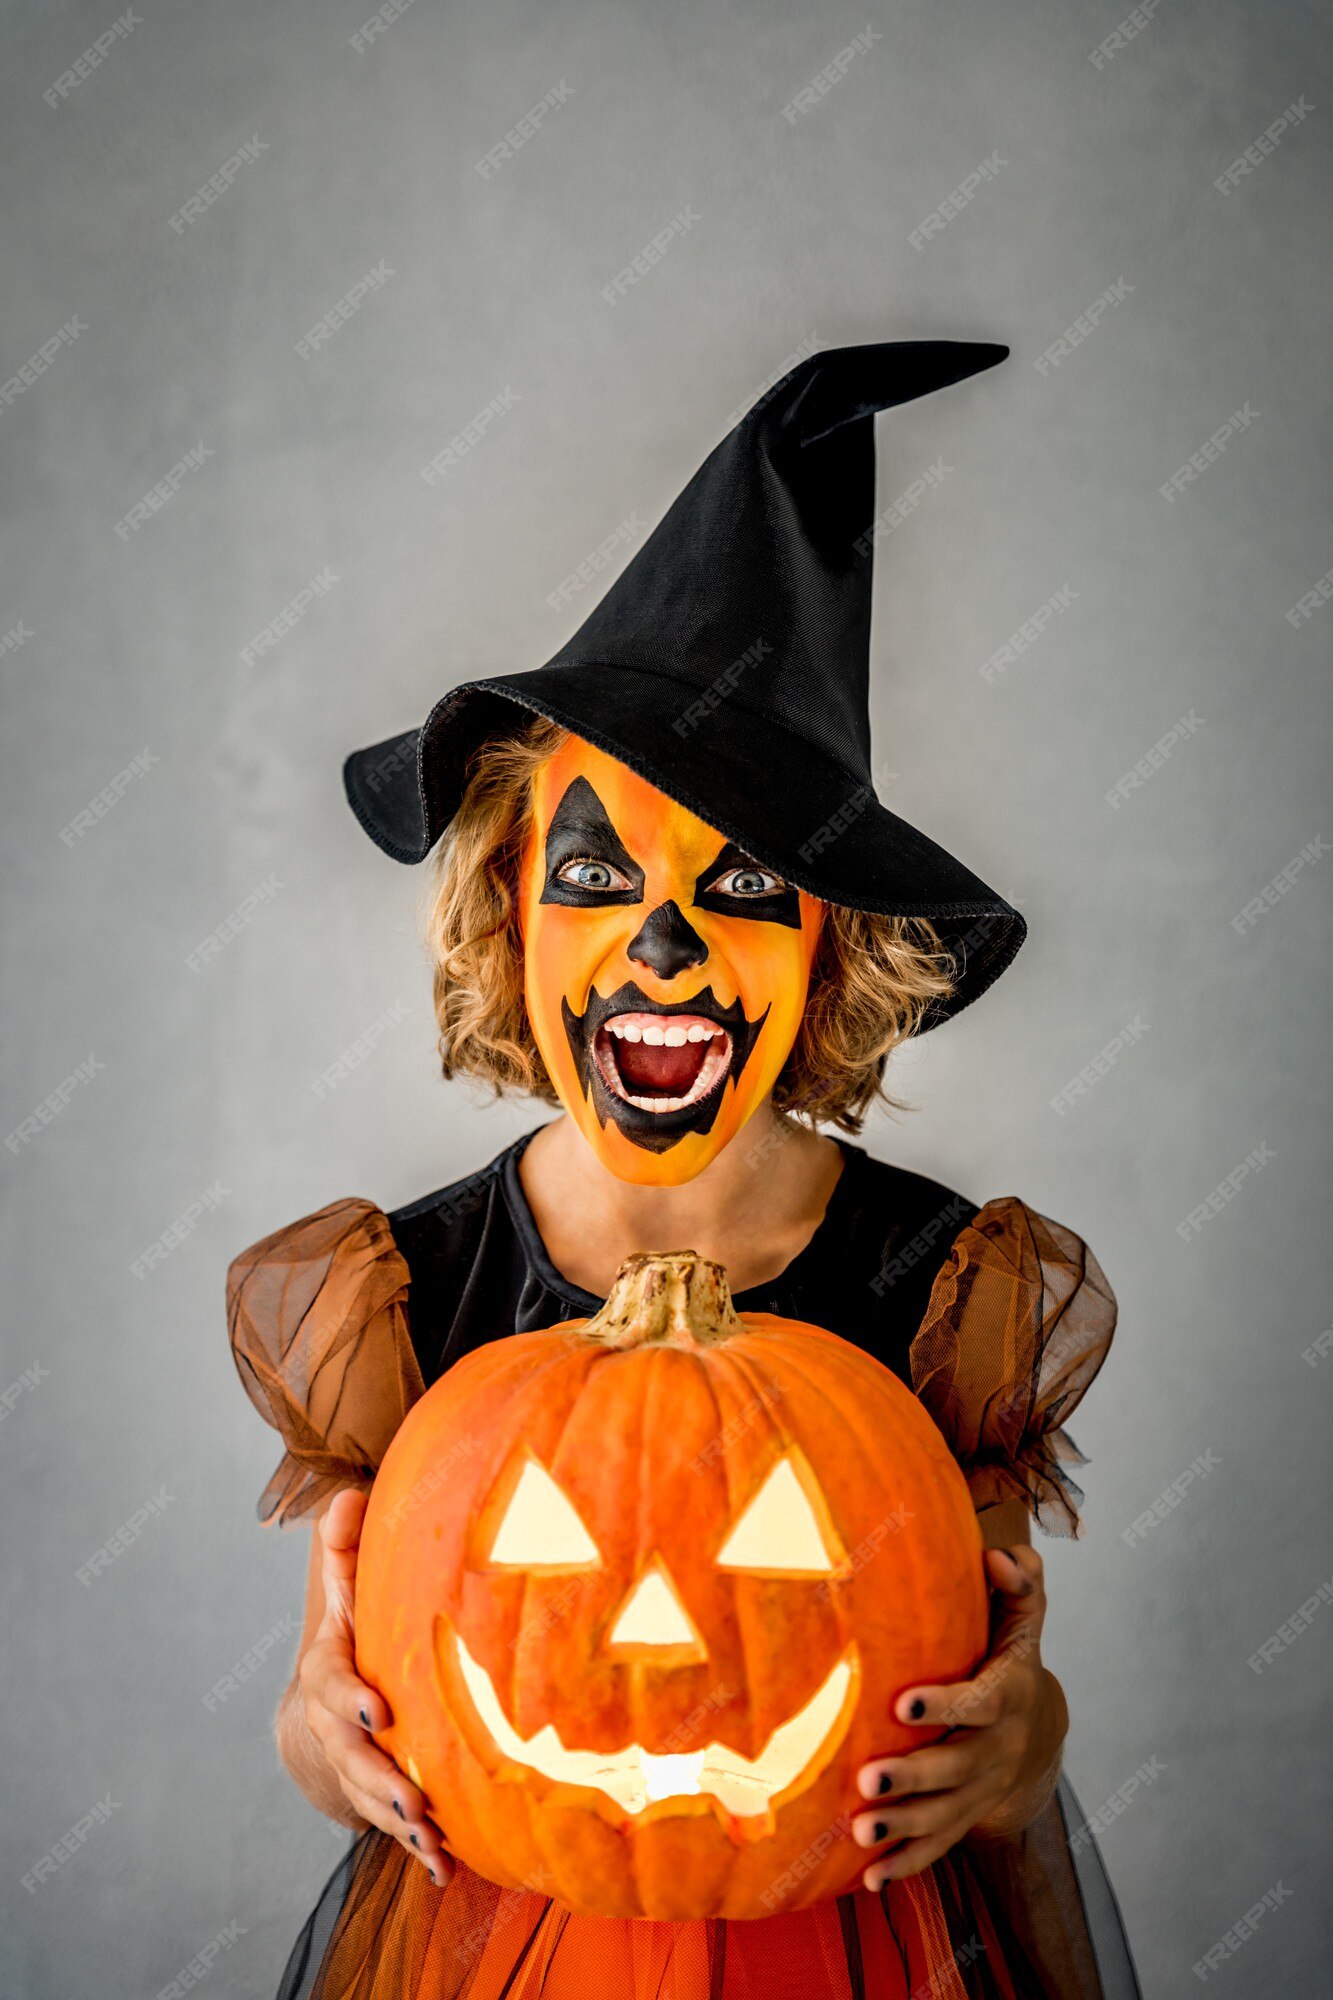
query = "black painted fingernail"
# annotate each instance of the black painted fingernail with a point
(365, 1718)
(398, 1809)
(885, 1783)
(881, 1830)
(917, 1710)
(417, 1844)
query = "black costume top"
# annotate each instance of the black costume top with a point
(479, 1268)
(995, 1316)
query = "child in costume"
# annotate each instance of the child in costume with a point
(669, 901)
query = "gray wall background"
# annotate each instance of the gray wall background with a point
(120, 1386)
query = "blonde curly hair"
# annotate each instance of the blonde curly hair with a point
(872, 980)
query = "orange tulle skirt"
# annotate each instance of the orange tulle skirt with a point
(1010, 1921)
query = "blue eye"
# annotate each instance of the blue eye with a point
(592, 875)
(747, 882)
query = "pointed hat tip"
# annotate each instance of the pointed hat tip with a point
(837, 386)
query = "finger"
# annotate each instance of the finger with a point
(1018, 1581)
(423, 1840)
(1020, 1593)
(371, 1778)
(329, 1682)
(910, 1819)
(424, 1845)
(379, 1789)
(337, 1740)
(340, 1534)
(357, 1761)
(1016, 1571)
(940, 1767)
(341, 1522)
(911, 1858)
(974, 1704)
(374, 1811)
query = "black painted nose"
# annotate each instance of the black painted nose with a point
(667, 943)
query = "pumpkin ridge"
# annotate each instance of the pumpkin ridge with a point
(748, 1368)
(866, 1442)
(558, 1360)
(737, 1360)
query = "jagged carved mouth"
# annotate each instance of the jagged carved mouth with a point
(658, 1071)
(637, 1780)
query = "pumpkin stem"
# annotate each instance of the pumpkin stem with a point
(673, 1297)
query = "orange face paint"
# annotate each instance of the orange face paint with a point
(665, 972)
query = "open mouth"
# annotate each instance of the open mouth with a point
(662, 1063)
(659, 1070)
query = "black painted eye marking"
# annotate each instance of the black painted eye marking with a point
(581, 830)
(781, 905)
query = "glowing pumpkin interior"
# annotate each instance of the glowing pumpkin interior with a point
(778, 1533)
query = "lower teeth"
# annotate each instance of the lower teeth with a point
(641, 1102)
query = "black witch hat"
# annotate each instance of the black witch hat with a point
(729, 665)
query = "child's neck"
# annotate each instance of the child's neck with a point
(752, 1209)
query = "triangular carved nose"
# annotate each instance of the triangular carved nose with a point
(652, 1615)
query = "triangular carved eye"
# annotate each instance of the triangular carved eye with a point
(540, 1529)
(779, 1531)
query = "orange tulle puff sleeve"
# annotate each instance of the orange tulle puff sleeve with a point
(317, 1314)
(1019, 1322)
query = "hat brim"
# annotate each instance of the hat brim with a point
(813, 822)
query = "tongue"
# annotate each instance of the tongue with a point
(646, 1069)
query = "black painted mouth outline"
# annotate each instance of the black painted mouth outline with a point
(655, 1131)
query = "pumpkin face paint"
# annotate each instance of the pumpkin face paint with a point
(665, 972)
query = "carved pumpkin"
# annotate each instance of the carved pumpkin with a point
(640, 1593)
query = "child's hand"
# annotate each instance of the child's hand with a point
(340, 1710)
(994, 1770)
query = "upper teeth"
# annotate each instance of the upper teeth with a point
(670, 1037)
